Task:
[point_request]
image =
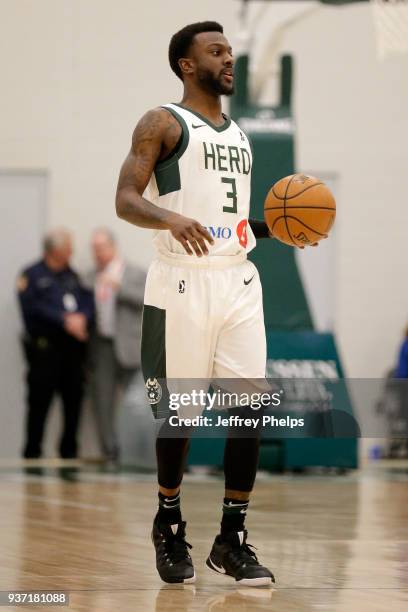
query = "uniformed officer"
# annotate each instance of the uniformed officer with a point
(57, 312)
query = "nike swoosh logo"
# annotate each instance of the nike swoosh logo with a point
(246, 282)
(237, 506)
(195, 127)
(221, 570)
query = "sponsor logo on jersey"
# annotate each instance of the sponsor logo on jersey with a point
(242, 233)
(153, 391)
(220, 232)
(182, 286)
(195, 127)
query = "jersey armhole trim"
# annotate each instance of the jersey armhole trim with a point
(181, 145)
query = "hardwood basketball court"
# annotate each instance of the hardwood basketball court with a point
(335, 543)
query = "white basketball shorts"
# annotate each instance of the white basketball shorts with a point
(203, 319)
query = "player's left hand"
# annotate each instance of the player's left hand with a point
(314, 244)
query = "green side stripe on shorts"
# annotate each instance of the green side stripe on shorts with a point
(153, 354)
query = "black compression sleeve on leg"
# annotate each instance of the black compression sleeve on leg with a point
(241, 456)
(171, 453)
(241, 453)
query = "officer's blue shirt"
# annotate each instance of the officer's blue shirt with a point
(46, 296)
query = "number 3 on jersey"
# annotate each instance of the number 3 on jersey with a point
(233, 208)
(232, 194)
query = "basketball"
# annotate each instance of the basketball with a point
(299, 210)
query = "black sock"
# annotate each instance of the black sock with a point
(233, 515)
(169, 509)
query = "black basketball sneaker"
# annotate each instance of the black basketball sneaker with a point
(173, 561)
(232, 556)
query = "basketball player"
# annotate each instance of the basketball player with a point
(188, 177)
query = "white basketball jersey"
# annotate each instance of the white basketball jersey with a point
(206, 178)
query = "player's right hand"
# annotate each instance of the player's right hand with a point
(190, 233)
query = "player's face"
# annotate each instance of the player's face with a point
(214, 63)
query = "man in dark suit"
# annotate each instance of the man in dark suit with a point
(115, 346)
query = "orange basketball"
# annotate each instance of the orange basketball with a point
(300, 210)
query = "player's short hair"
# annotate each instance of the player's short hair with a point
(182, 40)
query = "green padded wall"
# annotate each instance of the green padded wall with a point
(285, 303)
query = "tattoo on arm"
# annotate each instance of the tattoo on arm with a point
(155, 136)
